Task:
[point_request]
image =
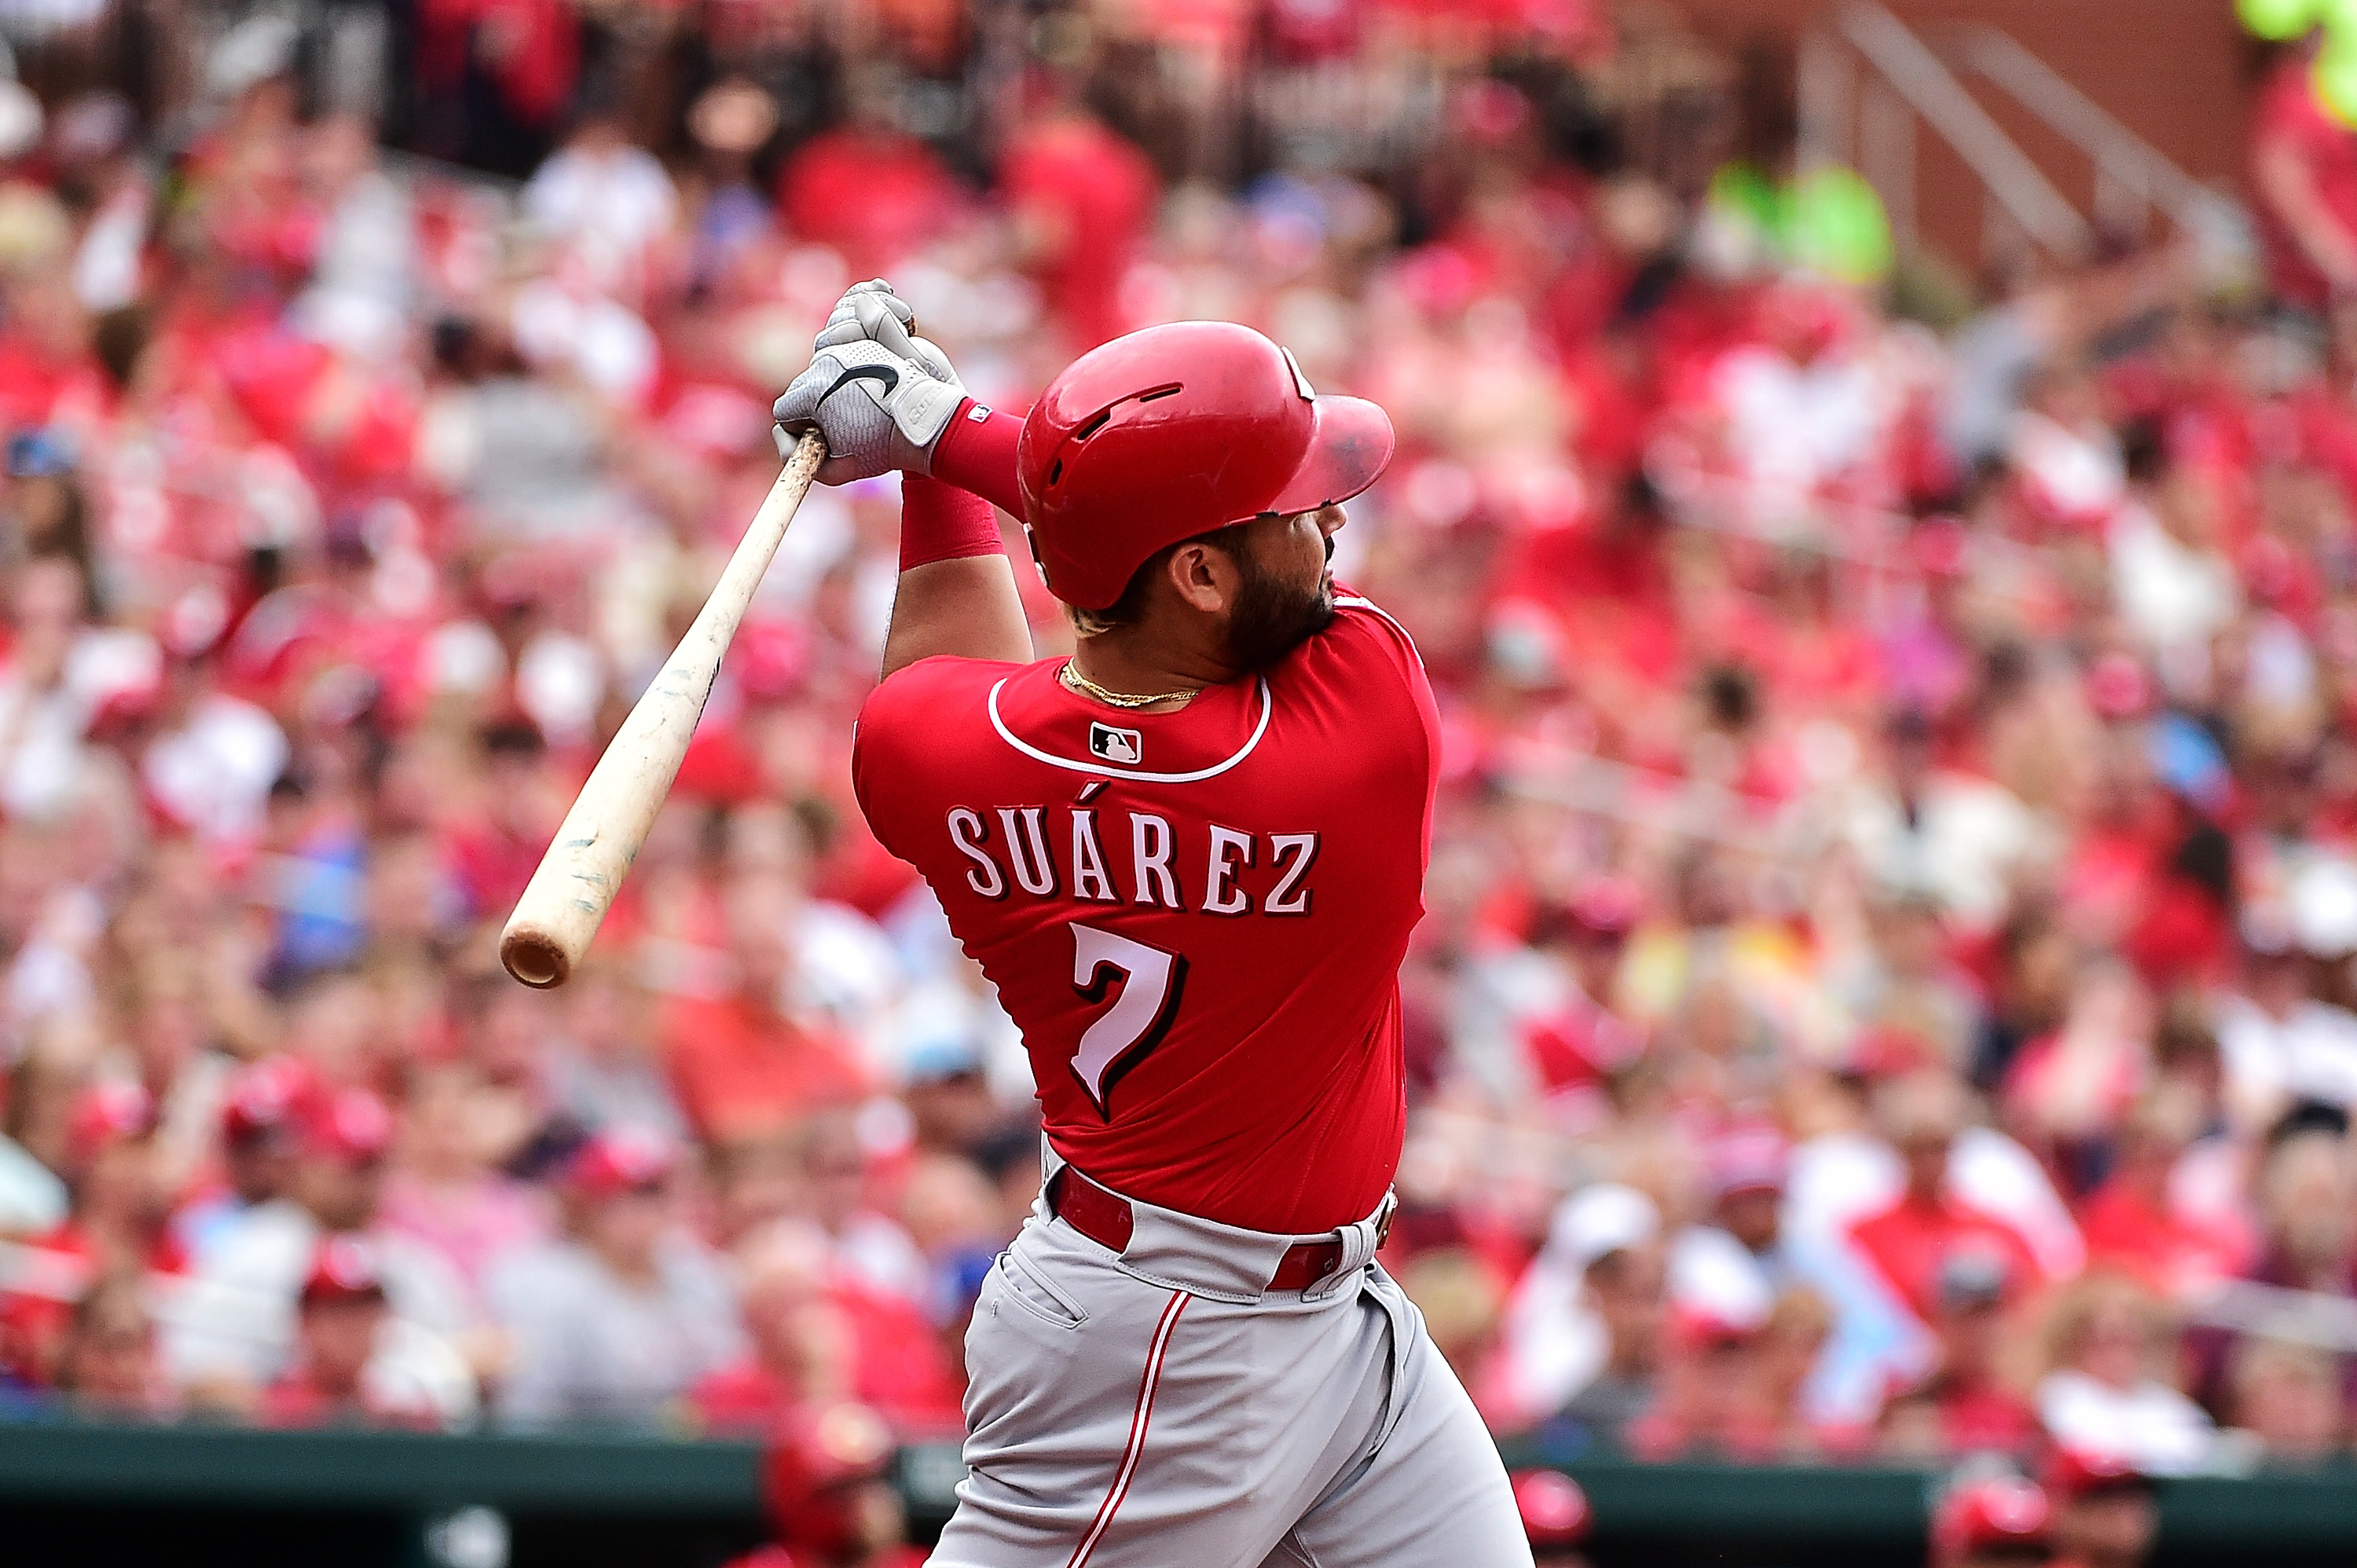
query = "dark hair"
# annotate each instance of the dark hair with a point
(2143, 449)
(1130, 609)
(1730, 696)
(2206, 859)
(2304, 1117)
(513, 736)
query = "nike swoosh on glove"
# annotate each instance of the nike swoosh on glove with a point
(871, 311)
(875, 410)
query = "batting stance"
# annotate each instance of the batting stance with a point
(1189, 858)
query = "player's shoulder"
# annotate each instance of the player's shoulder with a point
(1363, 642)
(910, 723)
(1356, 614)
(925, 692)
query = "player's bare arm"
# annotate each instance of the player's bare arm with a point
(882, 397)
(966, 608)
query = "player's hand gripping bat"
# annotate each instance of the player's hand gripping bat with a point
(569, 895)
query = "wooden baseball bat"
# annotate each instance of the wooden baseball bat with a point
(569, 895)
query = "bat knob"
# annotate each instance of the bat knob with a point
(535, 957)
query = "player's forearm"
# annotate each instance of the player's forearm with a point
(956, 593)
(977, 456)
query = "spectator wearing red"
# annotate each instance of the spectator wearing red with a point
(2069, 1089)
(237, 1326)
(1610, 579)
(338, 1377)
(495, 851)
(117, 1226)
(802, 1345)
(1703, 1380)
(1963, 1404)
(866, 187)
(496, 75)
(1555, 1516)
(741, 1066)
(1081, 198)
(2002, 1522)
(1775, 1423)
(826, 1481)
(120, 1202)
(2304, 167)
(1907, 1242)
(258, 1144)
(2131, 1224)
(820, 1334)
(1574, 1050)
(47, 371)
(2105, 1515)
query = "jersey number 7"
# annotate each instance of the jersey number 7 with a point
(1140, 1016)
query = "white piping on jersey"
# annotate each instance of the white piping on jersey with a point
(1097, 766)
(1359, 602)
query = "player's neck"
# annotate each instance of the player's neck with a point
(1126, 661)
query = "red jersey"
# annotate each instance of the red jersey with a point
(1195, 918)
(2290, 113)
(1909, 1241)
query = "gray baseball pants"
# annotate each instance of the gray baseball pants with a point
(1160, 1408)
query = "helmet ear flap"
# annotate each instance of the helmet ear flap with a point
(1038, 562)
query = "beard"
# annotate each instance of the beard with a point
(1272, 617)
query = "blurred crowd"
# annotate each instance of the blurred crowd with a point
(1888, 988)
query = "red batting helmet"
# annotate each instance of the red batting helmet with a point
(1174, 431)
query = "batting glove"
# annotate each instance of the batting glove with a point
(879, 396)
(871, 312)
(861, 313)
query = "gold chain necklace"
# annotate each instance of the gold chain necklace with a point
(1074, 681)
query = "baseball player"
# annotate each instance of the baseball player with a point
(1189, 858)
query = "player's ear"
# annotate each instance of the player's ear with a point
(1204, 576)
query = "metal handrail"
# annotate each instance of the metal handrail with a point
(2271, 1312)
(2118, 153)
(1928, 87)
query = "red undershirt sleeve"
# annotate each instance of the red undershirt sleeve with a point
(940, 522)
(977, 456)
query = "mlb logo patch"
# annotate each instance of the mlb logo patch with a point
(1110, 745)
